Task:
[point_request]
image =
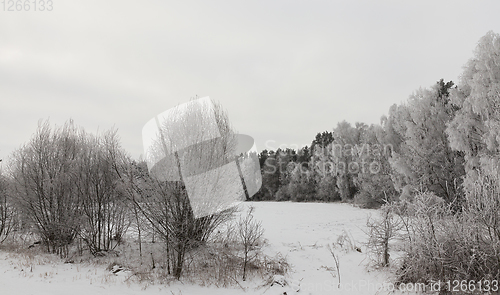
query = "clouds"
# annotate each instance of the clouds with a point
(284, 70)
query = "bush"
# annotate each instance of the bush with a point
(444, 245)
(250, 234)
(381, 232)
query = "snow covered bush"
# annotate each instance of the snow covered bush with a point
(442, 244)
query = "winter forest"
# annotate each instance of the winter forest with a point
(428, 174)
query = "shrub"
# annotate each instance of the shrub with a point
(381, 232)
(444, 245)
(250, 234)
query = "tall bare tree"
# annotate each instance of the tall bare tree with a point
(43, 174)
(103, 200)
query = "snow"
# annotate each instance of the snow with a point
(300, 231)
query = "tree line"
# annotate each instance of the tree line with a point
(440, 140)
(372, 164)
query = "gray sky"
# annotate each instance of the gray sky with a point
(283, 70)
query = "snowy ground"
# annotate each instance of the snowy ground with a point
(300, 231)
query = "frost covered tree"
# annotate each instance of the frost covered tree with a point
(475, 130)
(373, 179)
(342, 156)
(424, 159)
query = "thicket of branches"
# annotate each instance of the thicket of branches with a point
(166, 207)
(43, 176)
(99, 184)
(8, 216)
(65, 184)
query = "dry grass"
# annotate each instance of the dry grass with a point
(346, 242)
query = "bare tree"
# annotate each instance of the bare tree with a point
(381, 232)
(193, 179)
(43, 174)
(99, 185)
(67, 183)
(7, 211)
(250, 233)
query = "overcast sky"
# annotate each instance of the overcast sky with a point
(283, 70)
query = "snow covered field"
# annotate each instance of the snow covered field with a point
(300, 231)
